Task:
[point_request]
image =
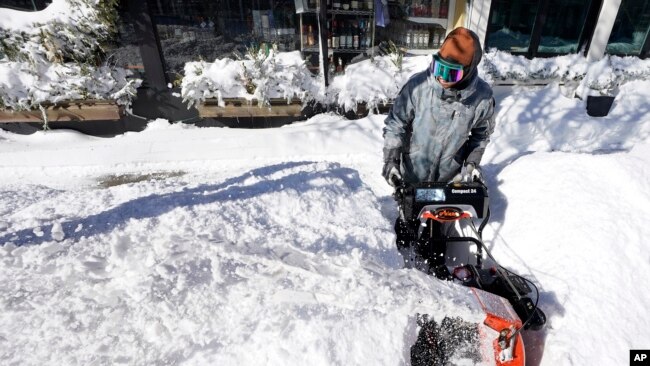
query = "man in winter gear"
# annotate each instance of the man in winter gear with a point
(440, 122)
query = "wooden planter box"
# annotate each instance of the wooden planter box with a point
(86, 110)
(239, 107)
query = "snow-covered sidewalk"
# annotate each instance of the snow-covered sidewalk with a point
(180, 245)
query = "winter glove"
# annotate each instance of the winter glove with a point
(391, 167)
(468, 173)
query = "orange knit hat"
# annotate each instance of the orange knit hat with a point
(458, 47)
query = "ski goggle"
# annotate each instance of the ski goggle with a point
(448, 71)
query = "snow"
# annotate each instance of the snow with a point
(15, 20)
(21, 88)
(377, 81)
(36, 54)
(185, 245)
(259, 77)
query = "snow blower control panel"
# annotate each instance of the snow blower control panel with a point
(436, 193)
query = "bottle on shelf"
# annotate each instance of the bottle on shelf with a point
(311, 39)
(369, 39)
(408, 39)
(331, 69)
(346, 5)
(444, 9)
(427, 33)
(355, 36)
(335, 35)
(329, 35)
(350, 36)
(336, 4)
(339, 66)
(440, 37)
(435, 8)
(354, 5)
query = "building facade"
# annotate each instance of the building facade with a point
(156, 38)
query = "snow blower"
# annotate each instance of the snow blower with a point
(446, 243)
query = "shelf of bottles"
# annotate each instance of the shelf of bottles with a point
(417, 37)
(345, 36)
(424, 25)
(351, 32)
(349, 35)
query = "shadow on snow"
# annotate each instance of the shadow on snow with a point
(154, 205)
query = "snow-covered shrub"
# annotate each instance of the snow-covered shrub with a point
(377, 81)
(374, 81)
(258, 76)
(74, 31)
(29, 87)
(55, 54)
(603, 76)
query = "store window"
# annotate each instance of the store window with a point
(510, 25)
(27, 5)
(563, 26)
(542, 27)
(630, 31)
(195, 30)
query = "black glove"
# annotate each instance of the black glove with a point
(391, 170)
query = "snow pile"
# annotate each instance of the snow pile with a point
(210, 271)
(260, 77)
(546, 120)
(577, 223)
(51, 55)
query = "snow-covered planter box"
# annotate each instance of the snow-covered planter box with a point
(602, 77)
(27, 90)
(254, 86)
(220, 87)
(49, 62)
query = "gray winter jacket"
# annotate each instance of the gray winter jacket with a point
(435, 130)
